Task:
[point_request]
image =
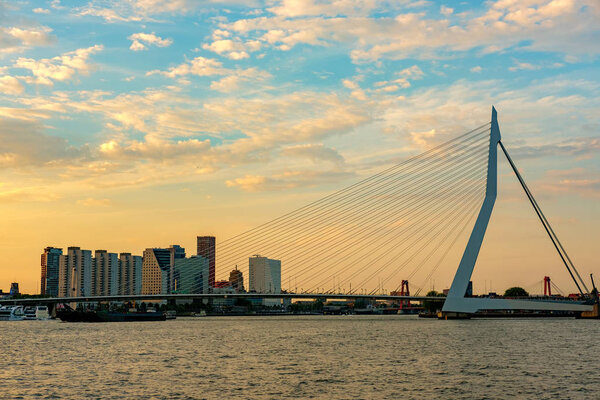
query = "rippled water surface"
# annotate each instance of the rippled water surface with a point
(323, 357)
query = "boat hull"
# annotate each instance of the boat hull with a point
(107, 316)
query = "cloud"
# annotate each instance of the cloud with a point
(303, 8)
(15, 39)
(413, 72)
(446, 10)
(61, 68)
(579, 148)
(199, 66)
(567, 26)
(136, 10)
(286, 180)
(23, 144)
(430, 116)
(158, 150)
(233, 81)
(113, 11)
(29, 194)
(583, 182)
(10, 85)
(314, 152)
(477, 69)
(231, 49)
(41, 10)
(140, 40)
(519, 66)
(91, 202)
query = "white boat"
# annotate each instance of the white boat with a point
(12, 313)
(41, 312)
(36, 313)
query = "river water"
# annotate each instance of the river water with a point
(300, 357)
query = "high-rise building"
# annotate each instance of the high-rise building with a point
(177, 252)
(105, 273)
(190, 275)
(206, 248)
(75, 273)
(155, 264)
(130, 274)
(50, 260)
(236, 280)
(264, 275)
(14, 288)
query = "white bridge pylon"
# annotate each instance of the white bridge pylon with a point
(456, 300)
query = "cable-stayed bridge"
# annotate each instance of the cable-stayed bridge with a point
(407, 222)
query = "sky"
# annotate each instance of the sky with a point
(143, 123)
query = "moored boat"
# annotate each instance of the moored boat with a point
(109, 316)
(11, 313)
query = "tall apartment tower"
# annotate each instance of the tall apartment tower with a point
(264, 275)
(206, 249)
(105, 273)
(75, 273)
(49, 261)
(130, 274)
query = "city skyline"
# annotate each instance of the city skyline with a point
(129, 125)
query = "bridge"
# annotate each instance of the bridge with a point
(365, 240)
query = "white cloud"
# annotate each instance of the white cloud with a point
(314, 152)
(564, 26)
(446, 10)
(140, 40)
(61, 68)
(10, 85)
(476, 69)
(14, 39)
(136, 10)
(302, 8)
(524, 66)
(199, 66)
(519, 66)
(233, 81)
(41, 11)
(287, 180)
(413, 72)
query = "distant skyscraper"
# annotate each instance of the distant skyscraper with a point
(75, 273)
(177, 252)
(130, 274)
(206, 248)
(14, 288)
(105, 275)
(50, 260)
(190, 275)
(265, 275)
(157, 273)
(236, 280)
